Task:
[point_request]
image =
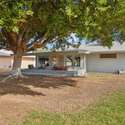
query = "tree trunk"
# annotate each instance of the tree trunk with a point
(16, 70)
(17, 61)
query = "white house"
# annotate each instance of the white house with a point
(86, 58)
(6, 60)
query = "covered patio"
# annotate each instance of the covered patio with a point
(61, 63)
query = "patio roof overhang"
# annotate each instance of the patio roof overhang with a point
(63, 52)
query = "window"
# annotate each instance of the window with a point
(112, 55)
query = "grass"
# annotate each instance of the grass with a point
(110, 111)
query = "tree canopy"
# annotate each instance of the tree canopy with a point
(28, 24)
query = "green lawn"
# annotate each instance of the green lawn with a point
(109, 111)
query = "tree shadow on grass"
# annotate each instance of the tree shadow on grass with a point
(21, 87)
(17, 89)
(50, 82)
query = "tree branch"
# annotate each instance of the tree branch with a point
(10, 39)
(21, 36)
(38, 41)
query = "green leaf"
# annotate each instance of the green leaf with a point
(29, 12)
(15, 29)
(1, 22)
(102, 2)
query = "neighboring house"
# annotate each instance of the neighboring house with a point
(86, 58)
(6, 60)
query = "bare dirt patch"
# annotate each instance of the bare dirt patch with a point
(57, 94)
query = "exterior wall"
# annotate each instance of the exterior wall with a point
(5, 62)
(97, 64)
(27, 61)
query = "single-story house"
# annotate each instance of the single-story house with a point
(86, 58)
(6, 60)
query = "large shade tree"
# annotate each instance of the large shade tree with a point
(29, 24)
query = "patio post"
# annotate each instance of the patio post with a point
(64, 60)
(81, 62)
(37, 61)
(73, 59)
(85, 63)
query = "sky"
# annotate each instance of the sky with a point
(73, 39)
